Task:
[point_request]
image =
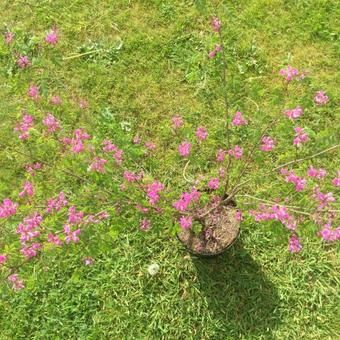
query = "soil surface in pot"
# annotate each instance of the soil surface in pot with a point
(222, 228)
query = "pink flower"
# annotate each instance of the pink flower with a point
(23, 62)
(55, 100)
(185, 222)
(9, 36)
(321, 98)
(24, 126)
(239, 119)
(177, 121)
(54, 239)
(221, 155)
(88, 261)
(312, 172)
(30, 251)
(289, 73)
(98, 165)
(294, 244)
(267, 144)
(336, 180)
(153, 190)
(236, 152)
(215, 24)
(31, 167)
(51, 122)
(300, 136)
(186, 198)
(3, 258)
(108, 146)
(213, 53)
(33, 92)
(291, 177)
(52, 37)
(145, 224)
(74, 217)
(184, 149)
(214, 184)
(71, 236)
(328, 233)
(132, 177)
(221, 172)
(8, 208)
(136, 139)
(17, 283)
(27, 190)
(201, 133)
(118, 156)
(238, 215)
(294, 113)
(322, 199)
(150, 145)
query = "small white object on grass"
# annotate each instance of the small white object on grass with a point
(153, 269)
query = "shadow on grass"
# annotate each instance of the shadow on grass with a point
(242, 299)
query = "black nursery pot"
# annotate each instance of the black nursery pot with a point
(224, 228)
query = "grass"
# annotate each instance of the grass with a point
(255, 291)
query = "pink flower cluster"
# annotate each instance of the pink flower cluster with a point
(23, 61)
(9, 36)
(71, 236)
(98, 165)
(33, 92)
(294, 244)
(153, 190)
(275, 212)
(27, 190)
(336, 180)
(201, 133)
(28, 231)
(221, 155)
(52, 37)
(17, 283)
(289, 73)
(132, 177)
(187, 197)
(291, 177)
(185, 222)
(322, 199)
(3, 258)
(300, 136)
(54, 239)
(110, 147)
(315, 173)
(30, 168)
(177, 121)
(216, 24)
(328, 233)
(55, 100)
(76, 143)
(213, 53)
(51, 123)
(145, 224)
(238, 119)
(55, 204)
(294, 113)
(75, 217)
(24, 126)
(321, 98)
(8, 208)
(150, 145)
(184, 149)
(236, 152)
(268, 144)
(214, 183)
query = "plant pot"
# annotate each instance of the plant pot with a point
(225, 230)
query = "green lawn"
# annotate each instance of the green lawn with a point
(151, 63)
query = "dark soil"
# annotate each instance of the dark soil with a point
(222, 228)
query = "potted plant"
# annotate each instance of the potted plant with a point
(74, 179)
